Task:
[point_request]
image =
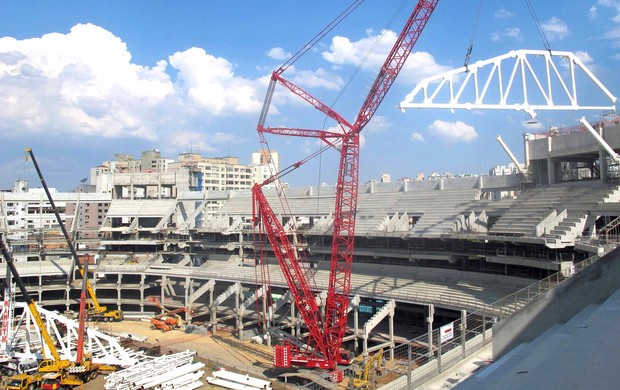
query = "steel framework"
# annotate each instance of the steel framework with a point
(105, 349)
(513, 81)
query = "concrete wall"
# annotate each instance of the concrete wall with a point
(593, 285)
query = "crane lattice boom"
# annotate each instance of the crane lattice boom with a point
(327, 333)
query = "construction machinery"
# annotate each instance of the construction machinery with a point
(73, 371)
(373, 364)
(326, 327)
(60, 380)
(168, 320)
(24, 382)
(95, 312)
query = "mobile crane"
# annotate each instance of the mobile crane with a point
(326, 331)
(95, 311)
(73, 373)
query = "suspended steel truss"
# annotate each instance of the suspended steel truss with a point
(23, 335)
(525, 80)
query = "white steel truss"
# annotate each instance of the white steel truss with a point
(105, 349)
(527, 80)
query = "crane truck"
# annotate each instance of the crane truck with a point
(327, 328)
(96, 312)
(72, 372)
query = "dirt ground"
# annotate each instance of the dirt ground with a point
(220, 350)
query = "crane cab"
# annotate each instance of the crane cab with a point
(345, 357)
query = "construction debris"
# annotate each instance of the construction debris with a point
(174, 371)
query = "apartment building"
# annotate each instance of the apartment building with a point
(29, 221)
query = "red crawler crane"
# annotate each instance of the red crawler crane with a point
(326, 332)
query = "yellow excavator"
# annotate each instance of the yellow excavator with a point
(95, 312)
(363, 378)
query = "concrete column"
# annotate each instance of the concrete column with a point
(188, 305)
(241, 245)
(526, 152)
(293, 319)
(164, 282)
(40, 288)
(550, 171)
(118, 290)
(159, 185)
(429, 321)
(239, 317)
(131, 186)
(213, 311)
(602, 164)
(237, 299)
(391, 325)
(355, 327)
(463, 330)
(142, 277)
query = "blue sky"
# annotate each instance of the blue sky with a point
(83, 80)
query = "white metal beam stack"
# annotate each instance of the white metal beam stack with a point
(232, 380)
(174, 371)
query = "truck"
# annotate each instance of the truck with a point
(84, 371)
(60, 380)
(18, 366)
(24, 382)
(96, 314)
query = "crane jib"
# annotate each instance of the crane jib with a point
(327, 332)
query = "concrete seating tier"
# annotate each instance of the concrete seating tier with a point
(529, 209)
(439, 212)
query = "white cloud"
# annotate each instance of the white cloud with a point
(555, 29)
(502, 13)
(278, 53)
(377, 125)
(613, 34)
(593, 12)
(82, 82)
(85, 83)
(181, 141)
(189, 140)
(318, 78)
(615, 4)
(511, 33)
(210, 82)
(343, 51)
(416, 137)
(584, 56)
(453, 131)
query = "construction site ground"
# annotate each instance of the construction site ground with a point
(219, 350)
(222, 350)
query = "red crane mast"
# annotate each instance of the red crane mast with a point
(327, 332)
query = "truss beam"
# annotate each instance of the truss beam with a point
(526, 80)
